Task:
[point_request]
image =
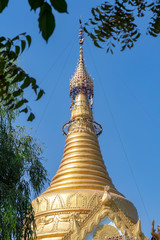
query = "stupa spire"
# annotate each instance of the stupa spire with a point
(81, 82)
(81, 33)
(82, 165)
(81, 193)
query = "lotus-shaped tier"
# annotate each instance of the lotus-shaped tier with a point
(81, 81)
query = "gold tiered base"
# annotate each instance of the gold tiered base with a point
(56, 212)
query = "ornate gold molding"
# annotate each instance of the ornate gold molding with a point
(104, 232)
(106, 208)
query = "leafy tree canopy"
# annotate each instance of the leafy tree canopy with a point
(21, 172)
(111, 22)
(115, 22)
(10, 49)
(13, 79)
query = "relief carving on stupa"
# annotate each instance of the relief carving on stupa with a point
(57, 203)
(104, 232)
(76, 200)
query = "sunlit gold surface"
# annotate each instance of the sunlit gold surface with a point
(78, 186)
(105, 231)
(81, 78)
(81, 193)
(82, 166)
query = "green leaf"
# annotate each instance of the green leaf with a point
(8, 44)
(93, 11)
(18, 77)
(12, 55)
(92, 22)
(20, 103)
(152, 34)
(9, 102)
(123, 47)
(3, 90)
(40, 94)
(1, 46)
(2, 39)
(85, 28)
(23, 45)
(13, 71)
(59, 5)
(17, 93)
(26, 83)
(150, 5)
(25, 110)
(92, 36)
(138, 35)
(34, 85)
(35, 4)
(11, 107)
(100, 39)
(96, 44)
(33, 81)
(15, 38)
(46, 21)
(31, 117)
(22, 34)
(2, 66)
(3, 4)
(29, 40)
(17, 49)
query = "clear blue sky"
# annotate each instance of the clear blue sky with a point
(128, 81)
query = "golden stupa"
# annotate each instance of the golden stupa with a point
(81, 201)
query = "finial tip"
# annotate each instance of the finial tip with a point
(81, 34)
(80, 20)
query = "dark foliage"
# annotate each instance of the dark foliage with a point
(21, 172)
(116, 22)
(12, 75)
(10, 49)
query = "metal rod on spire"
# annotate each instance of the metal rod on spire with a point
(81, 33)
(81, 82)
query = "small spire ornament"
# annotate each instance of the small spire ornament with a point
(81, 33)
(81, 82)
